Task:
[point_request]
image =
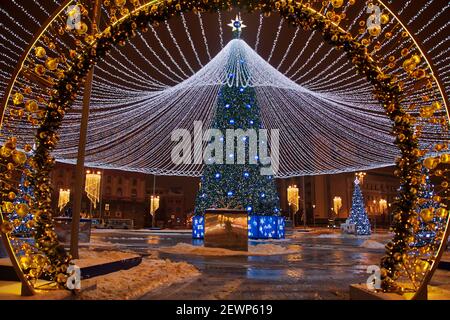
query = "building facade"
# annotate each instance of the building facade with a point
(126, 195)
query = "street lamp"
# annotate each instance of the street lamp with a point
(314, 214)
(92, 187)
(361, 176)
(337, 205)
(293, 199)
(154, 205)
(383, 206)
(64, 197)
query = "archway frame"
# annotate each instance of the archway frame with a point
(302, 14)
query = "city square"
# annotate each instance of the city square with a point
(224, 150)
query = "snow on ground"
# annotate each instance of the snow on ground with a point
(371, 244)
(92, 257)
(135, 282)
(257, 250)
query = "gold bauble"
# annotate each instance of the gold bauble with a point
(40, 52)
(39, 69)
(337, 3)
(416, 59)
(420, 73)
(17, 98)
(409, 65)
(51, 64)
(427, 112)
(424, 266)
(19, 157)
(39, 260)
(441, 213)
(384, 18)
(7, 207)
(5, 152)
(120, 3)
(427, 215)
(444, 184)
(6, 227)
(11, 195)
(445, 158)
(30, 224)
(430, 163)
(374, 30)
(82, 29)
(31, 106)
(22, 209)
(61, 278)
(25, 262)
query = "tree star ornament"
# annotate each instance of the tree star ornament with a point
(237, 24)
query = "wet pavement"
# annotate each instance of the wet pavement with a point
(323, 268)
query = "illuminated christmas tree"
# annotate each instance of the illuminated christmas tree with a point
(358, 214)
(427, 229)
(237, 186)
(20, 222)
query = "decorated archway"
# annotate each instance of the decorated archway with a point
(61, 71)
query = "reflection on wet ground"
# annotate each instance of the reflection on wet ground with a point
(323, 267)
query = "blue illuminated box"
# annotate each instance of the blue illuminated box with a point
(198, 227)
(259, 227)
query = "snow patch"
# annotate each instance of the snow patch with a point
(91, 257)
(371, 244)
(257, 250)
(135, 282)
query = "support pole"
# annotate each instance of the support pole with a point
(154, 195)
(79, 171)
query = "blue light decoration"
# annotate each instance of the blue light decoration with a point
(427, 230)
(198, 227)
(259, 227)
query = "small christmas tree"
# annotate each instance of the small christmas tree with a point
(427, 230)
(22, 229)
(358, 215)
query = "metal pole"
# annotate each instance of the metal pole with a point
(79, 171)
(154, 195)
(101, 194)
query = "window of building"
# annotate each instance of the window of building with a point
(108, 191)
(134, 193)
(119, 192)
(120, 180)
(108, 179)
(134, 182)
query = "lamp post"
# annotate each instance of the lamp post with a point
(92, 188)
(361, 176)
(293, 200)
(64, 197)
(383, 207)
(154, 205)
(337, 205)
(314, 215)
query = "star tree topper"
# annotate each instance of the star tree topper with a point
(237, 24)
